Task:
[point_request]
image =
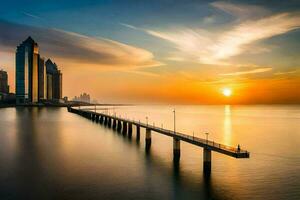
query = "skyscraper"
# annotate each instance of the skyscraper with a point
(54, 81)
(4, 88)
(42, 79)
(49, 87)
(27, 61)
(57, 85)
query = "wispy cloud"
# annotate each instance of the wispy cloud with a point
(209, 19)
(232, 43)
(129, 26)
(77, 48)
(241, 11)
(254, 71)
(144, 73)
(286, 72)
(207, 47)
(31, 15)
(175, 58)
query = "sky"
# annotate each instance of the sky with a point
(167, 51)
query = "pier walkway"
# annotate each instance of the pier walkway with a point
(125, 126)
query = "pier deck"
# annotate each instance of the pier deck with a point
(208, 144)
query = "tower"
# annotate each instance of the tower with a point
(27, 62)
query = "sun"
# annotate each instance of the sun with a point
(227, 92)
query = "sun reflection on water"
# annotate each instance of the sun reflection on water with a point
(227, 126)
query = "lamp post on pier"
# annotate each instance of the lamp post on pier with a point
(206, 137)
(174, 120)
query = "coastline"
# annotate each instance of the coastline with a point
(71, 104)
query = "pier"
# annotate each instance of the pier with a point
(124, 126)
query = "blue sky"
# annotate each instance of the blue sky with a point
(104, 18)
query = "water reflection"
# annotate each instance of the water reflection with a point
(227, 127)
(28, 159)
(58, 155)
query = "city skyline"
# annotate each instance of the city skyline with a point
(164, 51)
(35, 80)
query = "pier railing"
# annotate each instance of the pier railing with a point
(125, 126)
(218, 147)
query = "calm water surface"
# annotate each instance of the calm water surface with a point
(48, 153)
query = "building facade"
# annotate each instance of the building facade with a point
(49, 87)
(27, 61)
(4, 88)
(42, 79)
(54, 81)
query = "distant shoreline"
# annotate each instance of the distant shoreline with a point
(107, 104)
(14, 105)
(7, 105)
(60, 105)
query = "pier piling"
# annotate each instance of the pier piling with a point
(148, 138)
(119, 128)
(206, 161)
(105, 121)
(124, 128)
(129, 130)
(109, 122)
(138, 132)
(176, 148)
(114, 124)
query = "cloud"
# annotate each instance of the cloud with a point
(217, 47)
(254, 71)
(31, 15)
(175, 58)
(242, 11)
(209, 19)
(286, 72)
(231, 43)
(77, 48)
(192, 44)
(129, 26)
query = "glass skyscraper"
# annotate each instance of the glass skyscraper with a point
(27, 80)
(42, 79)
(36, 80)
(54, 81)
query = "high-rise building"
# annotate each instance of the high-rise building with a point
(54, 81)
(57, 85)
(4, 88)
(42, 79)
(35, 79)
(27, 61)
(49, 86)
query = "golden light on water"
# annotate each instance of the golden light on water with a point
(227, 92)
(227, 126)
